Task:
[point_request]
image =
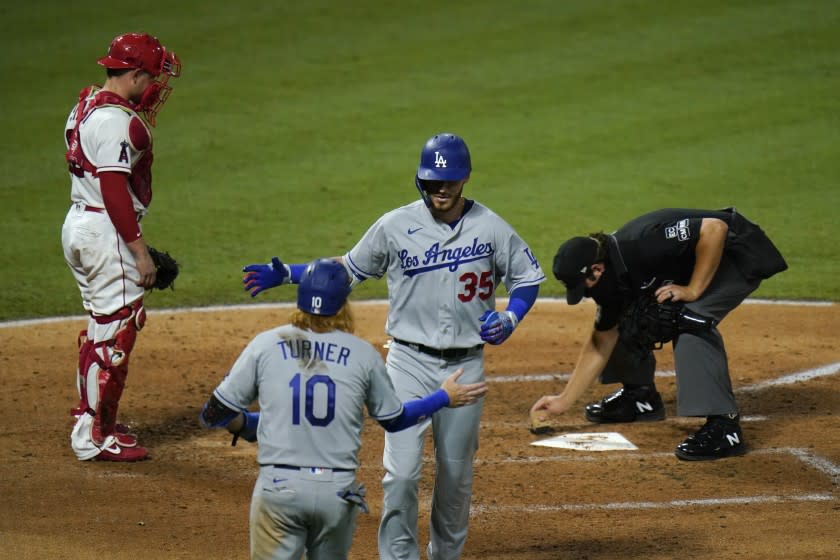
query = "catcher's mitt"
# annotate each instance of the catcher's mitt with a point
(647, 325)
(167, 269)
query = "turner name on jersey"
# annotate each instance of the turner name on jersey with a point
(305, 350)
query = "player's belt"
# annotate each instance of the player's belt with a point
(294, 468)
(98, 210)
(445, 353)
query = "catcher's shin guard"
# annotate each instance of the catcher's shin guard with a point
(85, 361)
(89, 392)
(110, 357)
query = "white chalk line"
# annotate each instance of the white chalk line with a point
(479, 509)
(360, 303)
(819, 463)
(525, 377)
(805, 375)
(810, 459)
(822, 371)
(687, 420)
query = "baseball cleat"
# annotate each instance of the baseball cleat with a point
(119, 427)
(643, 404)
(719, 437)
(125, 439)
(119, 454)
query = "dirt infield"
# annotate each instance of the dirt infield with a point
(782, 500)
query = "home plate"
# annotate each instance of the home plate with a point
(599, 441)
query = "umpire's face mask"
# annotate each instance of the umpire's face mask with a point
(607, 286)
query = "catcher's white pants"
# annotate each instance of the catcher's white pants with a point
(101, 262)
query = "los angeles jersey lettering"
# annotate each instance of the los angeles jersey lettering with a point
(456, 271)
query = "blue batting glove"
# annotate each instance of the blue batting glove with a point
(497, 326)
(259, 277)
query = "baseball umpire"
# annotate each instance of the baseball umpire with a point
(668, 276)
(109, 153)
(312, 378)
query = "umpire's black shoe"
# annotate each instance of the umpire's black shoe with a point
(641, 404)
(719, 437)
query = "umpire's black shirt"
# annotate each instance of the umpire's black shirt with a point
(654, 249)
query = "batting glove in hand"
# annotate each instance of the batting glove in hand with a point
(261, 277)
(497, 326)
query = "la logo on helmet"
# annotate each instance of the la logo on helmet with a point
(440, 161)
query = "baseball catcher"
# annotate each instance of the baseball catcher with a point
(108, 136)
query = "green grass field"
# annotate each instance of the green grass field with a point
(296, 124)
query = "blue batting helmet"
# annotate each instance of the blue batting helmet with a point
(324, 287)
(445, 157)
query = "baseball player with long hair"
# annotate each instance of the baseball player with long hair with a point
(313, 378)
(444, 256)
(109, 154)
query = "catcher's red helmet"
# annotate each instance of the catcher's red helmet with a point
(139, 50)
(143, 51)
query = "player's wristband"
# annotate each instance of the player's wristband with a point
(416, 410)
(295, 272)
(521, 300)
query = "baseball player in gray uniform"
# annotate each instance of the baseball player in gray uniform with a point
(444, 256)
(313, 378)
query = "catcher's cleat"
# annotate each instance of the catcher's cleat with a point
(118, 454)
(643, 404)
(719, 437)
(119, 427)
(125, 439)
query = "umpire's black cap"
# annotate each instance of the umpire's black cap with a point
(573, 263)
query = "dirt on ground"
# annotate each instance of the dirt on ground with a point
(190, 501)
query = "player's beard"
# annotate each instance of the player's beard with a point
(444, 203)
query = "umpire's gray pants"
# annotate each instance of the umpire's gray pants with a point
(703, 383)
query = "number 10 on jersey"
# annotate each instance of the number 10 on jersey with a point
(325, 393)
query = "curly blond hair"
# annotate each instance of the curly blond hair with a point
(341, 321)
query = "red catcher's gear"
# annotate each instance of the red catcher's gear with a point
(143, 51)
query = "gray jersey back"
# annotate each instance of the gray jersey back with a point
(453, 272)
(312, 388)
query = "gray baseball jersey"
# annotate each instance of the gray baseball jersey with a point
(454, 272)
(311, 389)
(441, 279)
